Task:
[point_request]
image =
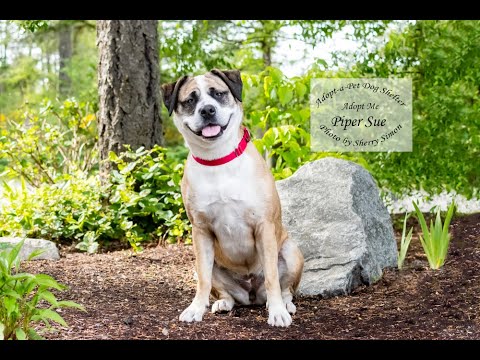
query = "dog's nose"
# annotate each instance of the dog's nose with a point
(208, 111)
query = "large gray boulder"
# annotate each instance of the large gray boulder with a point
(333, 211)
(50, 251)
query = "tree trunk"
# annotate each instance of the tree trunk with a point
(267, 61)
(129, 87)
(65, 55)
(266, 54)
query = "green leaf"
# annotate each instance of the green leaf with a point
(426, 249)
(421, 220)
(92, 247)
(32, 334)
(11, 293)
(404, 243)
(22, 276)
(300, 89)
(276, 75)
(23, 184)
(71, 304)
(267, 81)
(434, 237)
(128, 169)
(448, 218)
(145, 192)
(48, 296)
(7, 187)
(20, 334)
(112, 156)
(4, 268)
(35, 253)
(50, 315)
(285, 95)
(322, 62)
(28, 285)
(48, 281)
(12, 256)
(275, 133)
(10, 304)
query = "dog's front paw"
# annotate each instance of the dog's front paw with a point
(279, 316)
(194, 312)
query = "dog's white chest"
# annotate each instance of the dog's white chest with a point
(226, 192)
(228, 199)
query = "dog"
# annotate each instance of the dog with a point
(243, 253)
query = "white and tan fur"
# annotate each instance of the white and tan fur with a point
(243, 254)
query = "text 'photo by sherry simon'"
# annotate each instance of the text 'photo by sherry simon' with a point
(371, 114)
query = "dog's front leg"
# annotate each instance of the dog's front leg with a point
(204, 256)
(266, 244)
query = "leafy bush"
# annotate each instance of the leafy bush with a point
(141, 202)
(64, 211)
(290, 147)
(21, 296)
(436, 240)
(145, 195)
(445, 107)
(277, 111)
(443, 60)
(272, 99)
(59, 139)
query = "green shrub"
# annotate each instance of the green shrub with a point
(443, 60)
(42, 145)
(289, 145)
(272, 99)
(277, 112)
(21, 296)
(436, 240)
(63, 211)
(145, 195)
(141, 203)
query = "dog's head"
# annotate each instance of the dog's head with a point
(207, 107)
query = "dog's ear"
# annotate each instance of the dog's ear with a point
(170, 93)
(233, 80)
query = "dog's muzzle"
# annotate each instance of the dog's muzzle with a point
(211, 130)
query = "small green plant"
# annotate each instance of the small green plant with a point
(404, 242)
(436, 240)
(89, 243)
(22, 296)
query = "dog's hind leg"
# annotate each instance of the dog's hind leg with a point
(226, 290)
(290, 267)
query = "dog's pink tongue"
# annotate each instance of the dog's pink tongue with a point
(211, 130)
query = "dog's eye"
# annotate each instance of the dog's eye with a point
(218, 94)
(190, 101)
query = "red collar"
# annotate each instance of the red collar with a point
(234, 154)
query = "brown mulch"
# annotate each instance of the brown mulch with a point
(141, 296)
